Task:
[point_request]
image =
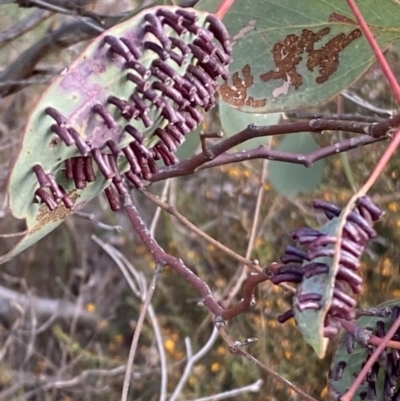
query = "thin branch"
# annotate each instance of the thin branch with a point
(371, 360)
(115, 256)
(244, 273)
(139, 289)
(307, 160)
(92, 218)
(157, 213)
(235, 347)
(25, 82)
(21, 27)
(138, 330)
(189, 166)
(44, 307)
(77, 9)
(65, 36)
(191, 360)
(343, 156)
(306, 115)
(366, 105)
(253, 280)
(152, 314)
(162, 258)
(173, 212)
(12, 235)
(275, 375)
(252, 388)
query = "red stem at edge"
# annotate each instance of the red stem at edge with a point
(376, 49)
(223, 8)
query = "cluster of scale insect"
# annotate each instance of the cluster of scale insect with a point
(299, 265)
(180, 98)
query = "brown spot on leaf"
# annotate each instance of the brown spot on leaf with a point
(335, 17)
(289, 53)
(45, 216)
(236, 95)
(327, 58)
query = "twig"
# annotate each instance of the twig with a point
(12, 235)
(73, 10)
(252, 388)
(92, 218)
(243, 273)
(152, 314)
(173, 212)
(253, 280)
(376, 312)
(348, 396)
(366, 105)
(138, 330)
(139, 290)
(115, 256)
(306, 160)
(26, 82)
(157, 213)
(156, 326)
(63, 37)
(306, 115)
(44, 307)
(343, 156)
(234, 346)
(23, 26)
(162, 258)
(191, 360)
(189, 166)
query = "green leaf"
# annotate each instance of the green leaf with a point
(296, 54)
(234, 121)
(291, 179)
(354, 361)
(89, 80)
(190, 145)
(310, 322)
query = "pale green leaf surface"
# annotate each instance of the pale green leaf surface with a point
(234, 121)
(291, 179)
(311, 322)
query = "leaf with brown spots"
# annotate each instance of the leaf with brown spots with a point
(294, 54)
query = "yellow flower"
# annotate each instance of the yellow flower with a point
(215, 367)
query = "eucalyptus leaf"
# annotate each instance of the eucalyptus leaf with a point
(290, 55)
(96, 75)
(291, 179)
(234, 121)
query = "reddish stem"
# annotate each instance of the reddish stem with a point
(224, 8)
(367, 367)
(376, 49)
